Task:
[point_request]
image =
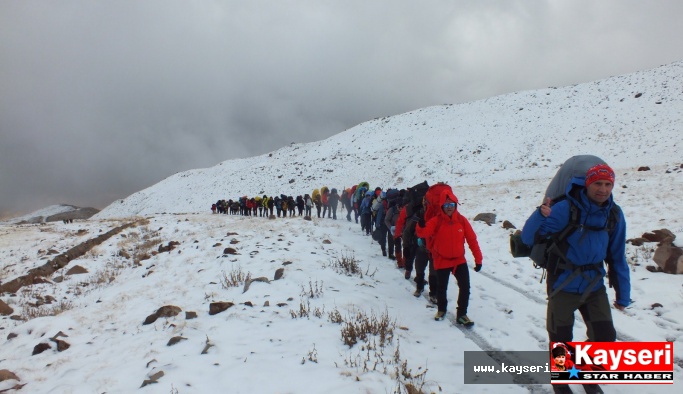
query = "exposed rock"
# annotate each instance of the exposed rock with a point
(248, 282)
(229, 251)
(218, 307)
(637, 241)
(509, 226)
(41, 347)
(267, 303)
(175, 340)
(171, 245)
(12, 335)
(488, 218)
(190, 315)
(76, 270)
(124, 254)
(307, 218)
(152, 379)
(644, 168)
(61, 345)
(5, 310)
(164, 311)
(669, 258)
(327, 241)
(234, 241)
(7, 375)
(659, 235)
(279, 273)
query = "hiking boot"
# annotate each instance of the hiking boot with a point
(407, 275)
(465, 321)
(418, 292)
(384, 253)
(433, 299)
(391, 257)
(439, 315)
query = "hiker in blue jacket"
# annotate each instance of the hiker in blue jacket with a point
(576, 272)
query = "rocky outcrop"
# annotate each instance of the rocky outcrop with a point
(164, 311)
(60, 261)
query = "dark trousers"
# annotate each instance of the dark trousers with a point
(595, 311)
(308, 211)
(409, 257)
(398, 248)
(365, 222)
(382, 239)
(422, 261)
(390, 241)
(462, 277)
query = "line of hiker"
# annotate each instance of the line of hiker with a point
(325, 200)
(421, 228)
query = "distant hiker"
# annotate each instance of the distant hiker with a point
(278, 205)
(264, 205)
(597, 234)
(345, 199)
(393, 211)
(317, 201)
(366, 214)
(271, 205)
(291, 205)
(325, 199)
(309, 204)
(333, 201)
(300, 204)
(382, 230)
(213, 208)
(447, 233)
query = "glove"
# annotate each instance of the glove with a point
(477, 267)
(392, 229)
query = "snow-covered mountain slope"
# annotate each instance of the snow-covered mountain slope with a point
(629, 120)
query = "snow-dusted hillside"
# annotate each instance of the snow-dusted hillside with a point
(628, 120)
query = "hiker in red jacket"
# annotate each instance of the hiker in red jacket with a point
(446, 234)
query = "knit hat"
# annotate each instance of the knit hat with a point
(599, 172)
(559, 351)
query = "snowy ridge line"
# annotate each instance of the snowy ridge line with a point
(498, 355)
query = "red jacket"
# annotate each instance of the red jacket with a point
(400, 222)
(446, 237)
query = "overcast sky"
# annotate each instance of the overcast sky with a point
(100, 99)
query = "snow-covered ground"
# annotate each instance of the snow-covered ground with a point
(284, 336)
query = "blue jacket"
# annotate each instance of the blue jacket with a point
(586, 247)
(366, 206)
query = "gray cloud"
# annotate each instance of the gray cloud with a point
(102, 99)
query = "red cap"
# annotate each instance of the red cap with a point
(599, 172)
